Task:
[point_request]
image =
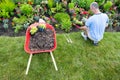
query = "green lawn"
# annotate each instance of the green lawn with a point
(79, 60)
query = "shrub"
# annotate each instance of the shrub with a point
(26, 9)
(50, 3)
(71, 5)
(6, 7)
(4, 14)
(117, 3)
(64, 20)
(20, 20)
(100, 2)
(21, 1)
(37, 1)
(83, 3)
(59, 7)
(18, 28)
(107, 5)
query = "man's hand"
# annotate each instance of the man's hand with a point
(83, 28)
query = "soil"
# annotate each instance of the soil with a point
(11, 33)
(42, 40)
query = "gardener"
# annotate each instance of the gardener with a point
(95, 25)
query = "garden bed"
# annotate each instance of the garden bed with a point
(61, 14)
(10, 31)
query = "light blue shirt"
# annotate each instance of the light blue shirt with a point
(96, 25)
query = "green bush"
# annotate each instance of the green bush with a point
(4, 14)
(26, 9)
(6, 7)
(100, 2)
(107, 5)
(18, 28)
(64, 20)
(117, 3)
(50, 3)
(20, 20)
(21, 1)
(71, 5)
(58, 7)
(83, 3)
(37, 2)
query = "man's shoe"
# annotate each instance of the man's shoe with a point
(95, 43)
(84, 36)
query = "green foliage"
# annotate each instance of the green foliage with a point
(117, 3)
(26, 9)
(58, 6)
(20, 20)
(64, 20)
(18, 27)
(83, 3)
(50, 3)
(26, 25)
(36, 18)
(5, 20)
(37, 1)
(57, 0)
(100, 2)
(16, 1)
(39, 10)
(36, 9)
(21, 1)
(66, 25)
(107, 5)
(71, 5)
(7, 5)
(33, 30)
(4, 14)
(5, 26)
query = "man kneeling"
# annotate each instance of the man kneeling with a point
(95, 25)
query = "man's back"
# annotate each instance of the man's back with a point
(96, 25)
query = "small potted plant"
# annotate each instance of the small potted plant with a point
(33, 30)
(41, 27)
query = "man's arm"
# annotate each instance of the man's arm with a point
(83, 28)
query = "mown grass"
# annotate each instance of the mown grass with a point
(79, 60)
